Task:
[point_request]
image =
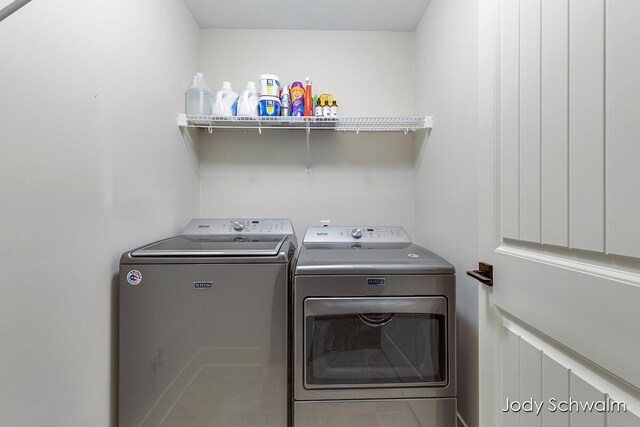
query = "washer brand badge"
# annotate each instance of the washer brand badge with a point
(203, 285)
(376, 281)
(134, 277)
(203, 226)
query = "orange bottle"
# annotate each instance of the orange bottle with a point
(308, 98)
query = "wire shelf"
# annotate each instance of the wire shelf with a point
(341, 124)
(404, 124)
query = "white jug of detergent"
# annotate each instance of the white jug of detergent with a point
(225, 102)
(248, 102)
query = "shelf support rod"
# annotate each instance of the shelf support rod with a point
(11, 8)
(308, 133)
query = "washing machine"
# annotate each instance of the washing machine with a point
(203, 326)
(373, 331)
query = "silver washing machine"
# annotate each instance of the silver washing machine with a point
(203, 326)
(373, 318)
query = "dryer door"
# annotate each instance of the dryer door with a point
(373, 337)
(375, 342)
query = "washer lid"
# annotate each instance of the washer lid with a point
(208, 237)
(369, 258)
(211, 245)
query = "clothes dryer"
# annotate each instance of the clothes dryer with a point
(373, 318)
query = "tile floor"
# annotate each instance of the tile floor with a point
(255, 396)
(365, 414)
(232, 396)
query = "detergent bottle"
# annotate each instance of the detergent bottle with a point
(226, 101)
(248, 102)
(198, 97)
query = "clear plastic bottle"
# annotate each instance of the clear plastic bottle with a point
(198, 97)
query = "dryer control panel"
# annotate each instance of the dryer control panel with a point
(367, 234)
(233, 226)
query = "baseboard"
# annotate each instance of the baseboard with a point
(461, 422)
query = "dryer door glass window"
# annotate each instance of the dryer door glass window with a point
(375, 342)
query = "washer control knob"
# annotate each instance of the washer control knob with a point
(238, 225)
(356, 233)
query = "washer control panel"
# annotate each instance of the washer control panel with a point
(369, 234)
(226, 226)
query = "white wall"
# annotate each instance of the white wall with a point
(355, 179)
(91, 163)
(447, 170)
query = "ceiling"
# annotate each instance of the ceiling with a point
(371, 15)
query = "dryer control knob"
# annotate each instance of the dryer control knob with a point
(356, 233)
(238, 225)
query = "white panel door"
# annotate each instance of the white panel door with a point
(586, 124)
(546, 386)
(510, 356)
(555, 384)
(510, 105)
(623, 419)
(584, 393)
(550, 163)
(623, 128)
(530, 89)
(555, 122)
(530, 382)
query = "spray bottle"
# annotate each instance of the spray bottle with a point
(308, 98)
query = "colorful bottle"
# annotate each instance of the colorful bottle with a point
(308, 98)
(334, 109)
(297, 99)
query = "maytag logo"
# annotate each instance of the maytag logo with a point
(379, 281)
(203, 285)
(322, 234)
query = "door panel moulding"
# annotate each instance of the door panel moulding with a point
(614, 387)
(620, 269)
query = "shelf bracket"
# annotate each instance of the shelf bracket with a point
(182, 120)
(308, 134)
(259, 127)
